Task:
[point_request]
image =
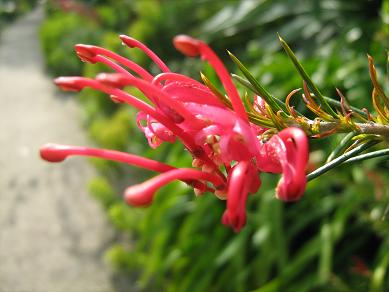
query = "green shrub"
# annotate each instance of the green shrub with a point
(10, 9)
(59, 34)
(101, 189)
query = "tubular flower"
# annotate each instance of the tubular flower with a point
(226, 148)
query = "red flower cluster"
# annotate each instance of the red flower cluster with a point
(227, 149)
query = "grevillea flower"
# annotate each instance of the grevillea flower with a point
(227, 150)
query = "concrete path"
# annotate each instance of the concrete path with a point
(52, 234)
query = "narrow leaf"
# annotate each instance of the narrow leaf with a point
(248, 85)
(377, 86)
(341, 146)
(306, 77)
(258, 87)
(374, 154)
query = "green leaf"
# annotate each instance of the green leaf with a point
(326, 253)
(306, 77)
(341, 146)
(378, 278)
(259, 89)
(374, 154)
(249, 86)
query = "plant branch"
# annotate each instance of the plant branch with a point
(361, 128)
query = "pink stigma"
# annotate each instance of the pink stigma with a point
(69, 83)
(133, 43)
(54, 152)
(187, 45)
(85, 53)
(140, 195)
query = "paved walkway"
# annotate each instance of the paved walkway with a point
(52, 234)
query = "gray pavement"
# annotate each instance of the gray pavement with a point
(52, 234)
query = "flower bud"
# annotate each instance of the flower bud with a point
(85, 53)
(53, 152)
(69, 83)
(187, 45)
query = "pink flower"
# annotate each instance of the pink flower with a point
(227, 152)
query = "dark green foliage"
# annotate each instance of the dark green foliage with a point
(59, 34)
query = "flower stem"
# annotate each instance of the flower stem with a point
(326, 167)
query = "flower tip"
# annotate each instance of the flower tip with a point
(187, 45)
(52, 153)
(116, 99)
(235, 221)
(139, 195)
(68, 83)
(85, 53)
(128, 41)
(290, 193)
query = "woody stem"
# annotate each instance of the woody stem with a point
(361, 128)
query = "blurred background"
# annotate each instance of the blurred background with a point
(336, 238)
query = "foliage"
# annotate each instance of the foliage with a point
(59, 34)
(9, 9)
(335, 239)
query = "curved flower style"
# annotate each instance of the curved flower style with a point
(226, 147)
(286, 153)
(242, 180)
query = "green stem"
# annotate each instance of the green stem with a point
(370, 155)
(326, 167)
